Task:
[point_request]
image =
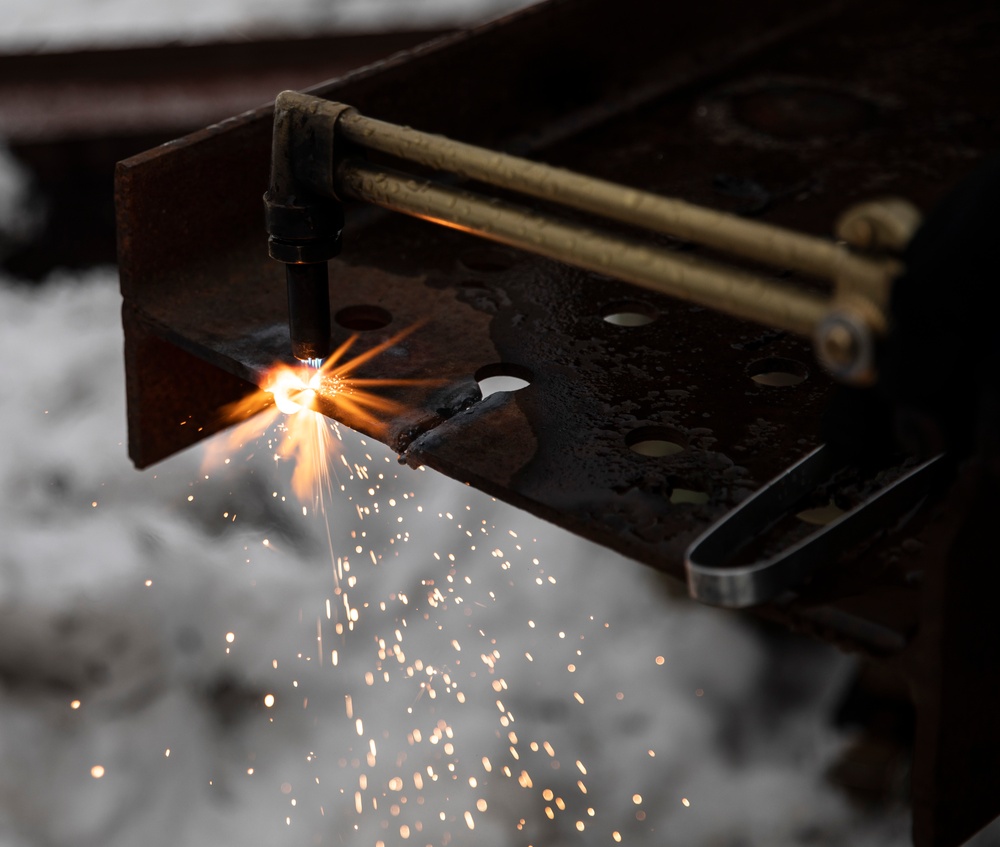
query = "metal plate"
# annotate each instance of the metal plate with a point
(770, 111)
(764, 119)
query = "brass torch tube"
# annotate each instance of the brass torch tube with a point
(736, 292)
(751, 239)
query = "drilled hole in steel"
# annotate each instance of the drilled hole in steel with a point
(688, 495)
(777, 372)
(656, 441)
(628, 313)
(821, 515)
(801, 110)
(502, 376)
(363, 318)
(487, 260)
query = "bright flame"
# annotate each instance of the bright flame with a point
(291, 389)
(297, 393)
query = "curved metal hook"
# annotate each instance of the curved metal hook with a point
(712, 581)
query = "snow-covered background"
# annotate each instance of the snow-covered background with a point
(176, 666)
(54, 24)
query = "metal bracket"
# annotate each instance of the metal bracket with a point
(711, 580)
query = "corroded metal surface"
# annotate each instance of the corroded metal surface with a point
(781, 115)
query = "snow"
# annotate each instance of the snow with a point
(20, 212)
(147, 619)
(69, 24)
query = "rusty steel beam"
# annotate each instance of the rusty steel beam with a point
(174, 88)
(69, 117)
(784, 115)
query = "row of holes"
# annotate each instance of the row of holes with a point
(651, 441)
(365, 318)
(774, 372)
(656, 441)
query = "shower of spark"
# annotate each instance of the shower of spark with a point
(289, 398)
(386, 775)
(285, 412)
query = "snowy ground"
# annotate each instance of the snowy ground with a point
(61, 24)
(176, 666)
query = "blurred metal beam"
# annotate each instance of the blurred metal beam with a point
(170, 89)
(69, 117)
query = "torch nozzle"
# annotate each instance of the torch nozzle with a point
(309, 311)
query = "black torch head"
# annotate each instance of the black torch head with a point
(305, 235)
(309, 310)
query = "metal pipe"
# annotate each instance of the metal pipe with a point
(843, 327)
(304, 221)
(751, 239)
(736, 292)
(308, 310)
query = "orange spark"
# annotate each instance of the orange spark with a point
(289, 399)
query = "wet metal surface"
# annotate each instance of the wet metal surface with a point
(562, 447)
(787, 116)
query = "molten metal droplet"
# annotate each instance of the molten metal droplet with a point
(291, 392)
(307, 440)
(295, 400)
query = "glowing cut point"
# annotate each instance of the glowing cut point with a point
(291, 391)
(306, 440)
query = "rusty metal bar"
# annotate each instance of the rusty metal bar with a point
(740, 236)
(706, 283)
